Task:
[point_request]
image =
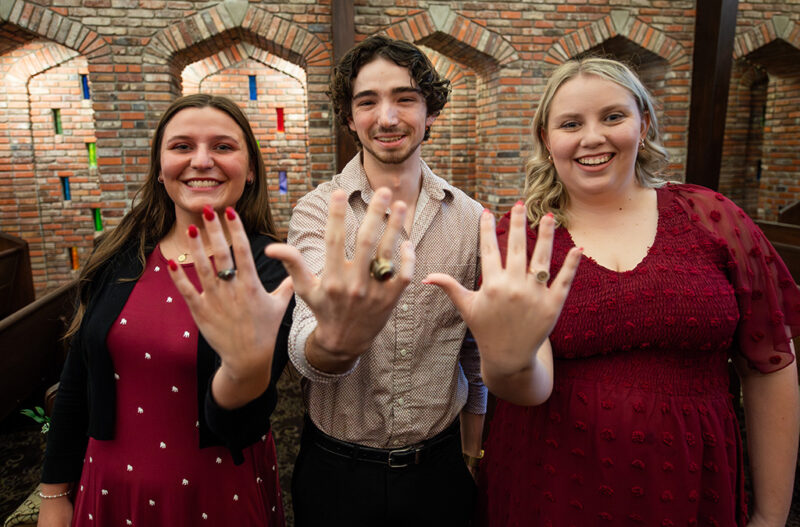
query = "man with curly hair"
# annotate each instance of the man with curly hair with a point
(392, 383)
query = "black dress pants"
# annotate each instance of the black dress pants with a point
(330, 490)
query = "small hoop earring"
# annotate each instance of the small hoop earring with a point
(642, 143)
(549, 158)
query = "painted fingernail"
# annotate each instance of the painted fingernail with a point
(230, 213)
(208, 213)
(192, 231)
(487, 211)
(518, 202)
(172, 265)
(580, 249)
(549, 214)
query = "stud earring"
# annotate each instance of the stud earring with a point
(642, 143)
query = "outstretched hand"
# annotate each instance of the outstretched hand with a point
(513, 312)
(238, 317)
(350, 306)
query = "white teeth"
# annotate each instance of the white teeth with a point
(390, 139)
(202, 183)
(594, 160)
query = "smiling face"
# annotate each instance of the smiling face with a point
(389, 113)
(593, 133)
(204, 161)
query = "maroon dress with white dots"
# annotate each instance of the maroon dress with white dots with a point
(640, 429)
(153, 471)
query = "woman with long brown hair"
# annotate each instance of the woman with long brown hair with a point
(177, 425)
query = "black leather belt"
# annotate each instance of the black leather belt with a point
(391, 457)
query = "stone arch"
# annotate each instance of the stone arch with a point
(226, 26)
(619, 22)
(234, 21)
(57, 28)
(453, 35)
(37, 62)
(194, 74)
(779, 27)
(495, 160)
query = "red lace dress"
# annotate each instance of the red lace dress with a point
(154, 473)
(640, 429)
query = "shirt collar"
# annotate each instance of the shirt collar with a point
(353, 180)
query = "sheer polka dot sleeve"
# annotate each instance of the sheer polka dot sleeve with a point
(768, 298)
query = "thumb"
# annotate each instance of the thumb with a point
(283, 293)
(302, 278)
(458, 294)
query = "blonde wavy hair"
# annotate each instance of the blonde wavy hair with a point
(543, 191)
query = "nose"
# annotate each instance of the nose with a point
(593, 135)
(201, 158)
(387, 115)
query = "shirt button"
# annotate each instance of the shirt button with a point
(396, 442)
(403, 352)
(400, 401)
(404, 307)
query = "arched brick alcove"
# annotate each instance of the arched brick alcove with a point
(773, 48)
(42, 61)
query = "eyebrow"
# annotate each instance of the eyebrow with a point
(395, 91)
(572, 115)
(191, 138)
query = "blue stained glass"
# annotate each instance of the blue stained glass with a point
(85, 86)
(253, 88)
(283, 182)
(65, 188)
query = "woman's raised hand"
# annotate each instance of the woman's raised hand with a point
(514, 311)
(236, 315)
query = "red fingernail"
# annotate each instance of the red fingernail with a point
(208, 213)
(230, 213)
(192, 231)
(518, 203)
(580, 249)
(172, 265)
(487, 210)
(549, 214)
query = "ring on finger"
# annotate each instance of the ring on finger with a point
(542, 276)
(381, 269)
(226, 274)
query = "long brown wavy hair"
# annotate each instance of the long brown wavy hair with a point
(544, 191)
(153, 212)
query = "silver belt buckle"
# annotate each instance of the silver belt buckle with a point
(400, 451)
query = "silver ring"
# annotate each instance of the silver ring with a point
(381, 269)
(226, 274)
(542, 276)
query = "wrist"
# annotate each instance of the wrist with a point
(330, 358)
(473, 461)
(54, 491)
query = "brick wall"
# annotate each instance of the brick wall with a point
(139, 56)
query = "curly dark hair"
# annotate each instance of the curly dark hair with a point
(434, 88)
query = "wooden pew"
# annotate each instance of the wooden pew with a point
(16, 279)
(32, 352)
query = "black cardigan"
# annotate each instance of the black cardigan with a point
(86, 400)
